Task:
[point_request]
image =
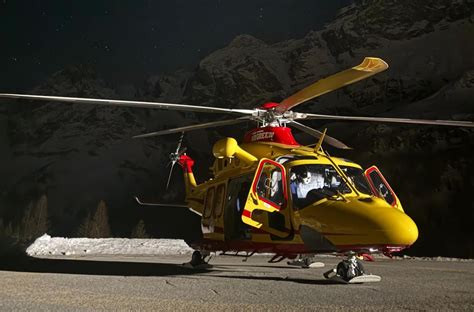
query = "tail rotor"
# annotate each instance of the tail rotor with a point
(174, 157)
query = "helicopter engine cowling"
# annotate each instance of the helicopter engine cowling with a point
(229, 148)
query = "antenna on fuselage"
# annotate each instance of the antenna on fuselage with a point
(319, 145)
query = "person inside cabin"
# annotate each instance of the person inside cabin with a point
(270, 185)
(276, 192)
(308, 181)
(303, 184)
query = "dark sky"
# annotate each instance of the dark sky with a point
(127, 40)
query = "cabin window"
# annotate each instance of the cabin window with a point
(270, 185)
(209, 203)
(219, 201)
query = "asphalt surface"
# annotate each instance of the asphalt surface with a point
(161, 284)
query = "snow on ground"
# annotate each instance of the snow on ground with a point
(60, 246)
(47, 246)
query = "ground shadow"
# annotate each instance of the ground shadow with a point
(283, 279)
(94, 267)
(125, 268)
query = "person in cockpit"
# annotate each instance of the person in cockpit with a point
(308, 181)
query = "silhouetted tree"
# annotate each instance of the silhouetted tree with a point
(35, 220)
(139, 231)
(96, 226)
(84, 227)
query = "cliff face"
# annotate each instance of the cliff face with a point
(79, 154)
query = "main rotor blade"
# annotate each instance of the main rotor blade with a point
(329, 140)
(142, 104)
(455, 123)
(179, 144)
(195, 127)
(369, 67)
(169, 175)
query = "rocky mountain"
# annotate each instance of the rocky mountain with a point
(79, 154)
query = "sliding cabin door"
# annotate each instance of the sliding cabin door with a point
(237, 192)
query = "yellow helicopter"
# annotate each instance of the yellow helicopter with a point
(271, 194)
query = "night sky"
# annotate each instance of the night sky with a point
(128, 40)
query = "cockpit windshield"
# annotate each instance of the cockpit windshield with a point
(312, 182)
(358, 179)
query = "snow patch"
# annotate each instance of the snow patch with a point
(47, 246)
(62, 246)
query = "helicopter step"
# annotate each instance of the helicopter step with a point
(199, 260)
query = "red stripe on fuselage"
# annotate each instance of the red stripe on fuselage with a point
(284, 248)
(247, 213)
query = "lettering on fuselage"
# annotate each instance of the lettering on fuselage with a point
(261, 135)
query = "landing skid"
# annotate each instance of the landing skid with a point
(366, 278)
(351, 271)
(198, 261)
(201, 266)
(306, 263)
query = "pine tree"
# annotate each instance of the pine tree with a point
(96, 226)
(35, 220)
(5, 230)
(84, 228)
(139, 231)
(100, 222)
(9, 232)
(42, 224)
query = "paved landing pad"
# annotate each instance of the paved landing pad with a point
(160, 283)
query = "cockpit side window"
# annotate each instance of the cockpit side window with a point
(382, 189)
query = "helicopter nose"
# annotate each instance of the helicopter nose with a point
(401, 230)
(362, 223)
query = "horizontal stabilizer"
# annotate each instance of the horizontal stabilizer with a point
(159, 204)
(166, 205)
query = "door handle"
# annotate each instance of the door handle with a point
(254, 198)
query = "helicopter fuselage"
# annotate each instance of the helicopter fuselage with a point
(271, 194)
